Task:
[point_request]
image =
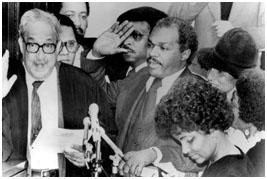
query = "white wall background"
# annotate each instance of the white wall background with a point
(104, 14)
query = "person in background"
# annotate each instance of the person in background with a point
(69, 45)
(196, 114)
(212, 19)
(45, 95)
(250, 115)
(78, 12)
(234, 52)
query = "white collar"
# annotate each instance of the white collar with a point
(167, 82)
(138, 68)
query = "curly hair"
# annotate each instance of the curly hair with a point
(251, 92)
(187, 35)
(193, 105)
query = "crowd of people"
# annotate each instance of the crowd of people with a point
(168, 90)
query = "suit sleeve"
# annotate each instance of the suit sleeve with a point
(97, 70)
(7, 146)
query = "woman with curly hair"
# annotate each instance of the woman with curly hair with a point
(250, 118)
(197, 114)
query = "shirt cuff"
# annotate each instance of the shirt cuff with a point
(92, 57)
(159, 154)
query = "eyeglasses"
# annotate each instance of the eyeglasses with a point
(137, 36)
(71, 46)
(48, 48)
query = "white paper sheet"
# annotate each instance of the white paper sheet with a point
(49, 143)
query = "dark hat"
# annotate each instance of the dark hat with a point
(147, 14)
(233, 53)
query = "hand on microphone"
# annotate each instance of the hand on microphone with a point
(75, 155)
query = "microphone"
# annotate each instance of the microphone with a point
(98, 131)
(93, 112)
(86, 123)
(111, 143)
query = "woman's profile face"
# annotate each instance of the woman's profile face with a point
(198, 146)
(221, 80)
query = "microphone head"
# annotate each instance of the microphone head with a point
(93, 110)
(86, 121)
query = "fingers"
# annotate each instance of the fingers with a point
(77, 147)
(75, 157)
(76, 163)
(121, 50)
(138, 170)
(5, 62)
(113, 27)
(12, 80)
(124, 29)
(129, 29)
(120, 27)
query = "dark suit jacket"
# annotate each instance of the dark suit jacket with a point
(231, 166)
(77, 91)
(257, 156)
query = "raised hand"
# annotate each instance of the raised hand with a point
(6, 83)
(108, 43)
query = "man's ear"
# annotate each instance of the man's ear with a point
(21, 45)
(58, 47)
(186, 54)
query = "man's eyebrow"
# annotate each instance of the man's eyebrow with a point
(69, 11)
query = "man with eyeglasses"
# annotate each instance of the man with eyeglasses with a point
(69, 48)
(43, 94)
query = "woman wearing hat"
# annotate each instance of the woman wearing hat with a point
(196, 114)
(250, 115)
(233, 53)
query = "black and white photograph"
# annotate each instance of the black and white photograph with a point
(133, 89)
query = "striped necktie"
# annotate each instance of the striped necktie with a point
(35, 112)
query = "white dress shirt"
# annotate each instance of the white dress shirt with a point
(167, 83)
(48, 95)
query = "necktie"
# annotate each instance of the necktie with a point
(151, 97)
(36, 111)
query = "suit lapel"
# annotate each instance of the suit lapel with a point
(60, 109)
(215, 10)
(121, 138)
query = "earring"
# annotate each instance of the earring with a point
(246, 132)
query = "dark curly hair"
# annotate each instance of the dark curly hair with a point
(187, 35)
(193, 105)
(251, 92)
